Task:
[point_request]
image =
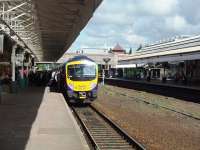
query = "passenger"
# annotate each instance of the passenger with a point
(49, 76)
(164, 79)
(190, 76)
(26, 77)
(177, 77)
(31, 77)
(40, 78)
(149, 76)
(44, 78)
(141, 75)
(184, 79)
(55, 83)
(53, 75)
(58, 81)
(1, 78)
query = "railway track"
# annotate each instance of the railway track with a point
(102, 132)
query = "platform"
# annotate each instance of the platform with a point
(159, 83)
(171, 83)
(186, 93)
(36, 119)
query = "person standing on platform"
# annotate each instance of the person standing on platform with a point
(0, 88)
(3, 79)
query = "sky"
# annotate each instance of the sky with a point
(134, 22)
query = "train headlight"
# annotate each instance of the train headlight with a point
(93, 85)
(71, 86)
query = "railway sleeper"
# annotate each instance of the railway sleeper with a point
(97, 126)
(94, 121)
(98, 123)
(107, 129)
(115, 147)
(118, 148)
(103, 133)
(112, 143)
(111, 139)
(101, 129)
(106, 136)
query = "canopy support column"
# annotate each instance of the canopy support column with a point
(13, 61)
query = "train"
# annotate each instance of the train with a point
(78, 79)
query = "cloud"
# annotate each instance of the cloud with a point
(131, 22)
(176, 23)
(158, 7)
(190, 10)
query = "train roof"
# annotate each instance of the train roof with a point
(80, 57)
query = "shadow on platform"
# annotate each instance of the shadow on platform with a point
(17, 115)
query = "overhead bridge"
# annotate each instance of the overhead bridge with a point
(46, 27)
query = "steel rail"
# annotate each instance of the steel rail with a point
(102, 132)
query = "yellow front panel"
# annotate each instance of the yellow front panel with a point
(81, 85)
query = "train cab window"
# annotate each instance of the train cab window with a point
(81, 72)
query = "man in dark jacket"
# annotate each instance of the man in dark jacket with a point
(1, 78)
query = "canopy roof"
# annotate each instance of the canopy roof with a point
(48, 27)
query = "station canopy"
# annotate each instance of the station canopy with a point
(48, 27)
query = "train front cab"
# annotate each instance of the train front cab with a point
(81, 81)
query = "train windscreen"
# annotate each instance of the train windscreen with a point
(81, 72)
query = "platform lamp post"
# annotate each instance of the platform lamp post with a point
(106, 60)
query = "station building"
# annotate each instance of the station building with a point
(107, 60)
(173, 60)
(177, 60)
